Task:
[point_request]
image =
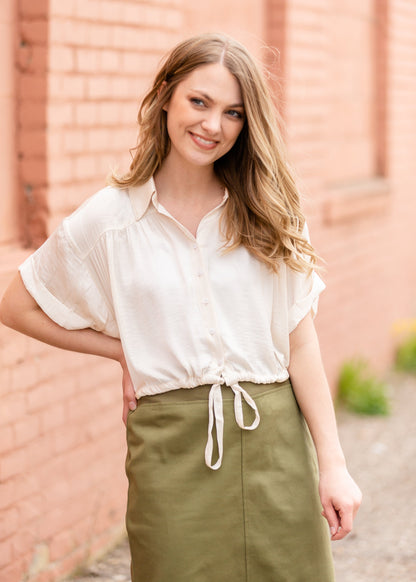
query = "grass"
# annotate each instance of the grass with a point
(406, 355)
(361, 390)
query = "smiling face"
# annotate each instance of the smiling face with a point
(205, 115)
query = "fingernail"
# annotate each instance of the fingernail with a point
(333, 531)
(132, 405)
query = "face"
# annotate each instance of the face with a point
(205, 115)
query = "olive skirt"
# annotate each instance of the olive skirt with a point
(256, 519)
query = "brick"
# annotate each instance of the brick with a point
(13, 572)
(87, 10)
(61, 170)
(32, 59)
(61, 545)
(74, 141)
(109, 61)
(32, 87)
(33, 8)
(38, 451)
(100, 36)
(26, 430)
(12, 407)
(40, 397)
(86, 114)
(30, 508)
(67, 438)
(85, 167)
(99, 140)
(113, 11)
(61, 59)
(12, 464)
(59, 8)
(9, 523)
(32, 142)
(5, 552)
(68, 32)
(98, 87)
(103, 422)
(32, 114)
(6, 439)
(87, 60)
(23, 541)
(53, 416)
(109, 113)
(5, 380)
(34, 31)
(139, 64)
(125, 37)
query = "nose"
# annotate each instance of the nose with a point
(212, 122)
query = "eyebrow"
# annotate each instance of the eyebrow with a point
(208, 98)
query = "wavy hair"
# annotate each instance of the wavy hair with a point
(263, 212)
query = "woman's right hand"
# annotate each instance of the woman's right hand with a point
(129, 397)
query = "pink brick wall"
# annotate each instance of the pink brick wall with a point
(80, 69)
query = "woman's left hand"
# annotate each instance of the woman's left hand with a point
(340, 498)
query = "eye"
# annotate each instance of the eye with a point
(197, 102)
(236, 114)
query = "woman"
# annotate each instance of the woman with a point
(194, 271)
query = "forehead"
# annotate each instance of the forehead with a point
(214, 80)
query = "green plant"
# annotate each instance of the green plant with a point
(406, 355)
(360, 390)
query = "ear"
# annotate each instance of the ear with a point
(160, 91)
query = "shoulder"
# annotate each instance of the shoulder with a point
(107, 210)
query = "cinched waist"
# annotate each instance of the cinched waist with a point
(215, 396)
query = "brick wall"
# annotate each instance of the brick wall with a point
(361, 225)
(79, 70)
(81, 67)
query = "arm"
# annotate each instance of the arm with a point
(20, 311)
(339, 494)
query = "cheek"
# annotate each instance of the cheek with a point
(233, 133)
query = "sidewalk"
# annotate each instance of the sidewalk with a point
(381, 453)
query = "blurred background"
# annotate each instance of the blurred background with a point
(72, 74)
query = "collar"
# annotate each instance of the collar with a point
(140, 197)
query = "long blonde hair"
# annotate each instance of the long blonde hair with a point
(263, 212)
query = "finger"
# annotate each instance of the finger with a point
(125, 412)
(128, 406)
(332, 518)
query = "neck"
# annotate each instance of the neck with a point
(186, 181)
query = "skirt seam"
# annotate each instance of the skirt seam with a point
(243, 505)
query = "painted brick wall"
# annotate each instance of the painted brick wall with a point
(81, 66)
(363, 229)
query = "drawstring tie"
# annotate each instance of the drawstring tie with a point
(215, 415)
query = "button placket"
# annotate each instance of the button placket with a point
(207, 308)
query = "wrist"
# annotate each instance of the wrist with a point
(330, 462)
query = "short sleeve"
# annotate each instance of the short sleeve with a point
(68, 287)
(303, 290)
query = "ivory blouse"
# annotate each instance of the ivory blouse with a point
(186, 313)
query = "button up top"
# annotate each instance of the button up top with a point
(186, 312)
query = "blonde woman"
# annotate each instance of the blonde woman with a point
(195, 272)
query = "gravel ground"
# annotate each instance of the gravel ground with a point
(381, 453)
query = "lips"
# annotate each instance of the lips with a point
(203, 142)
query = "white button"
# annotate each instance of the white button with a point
(195, 246)
(205, 301)
(212, 331)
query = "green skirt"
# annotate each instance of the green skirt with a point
(256, 519)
